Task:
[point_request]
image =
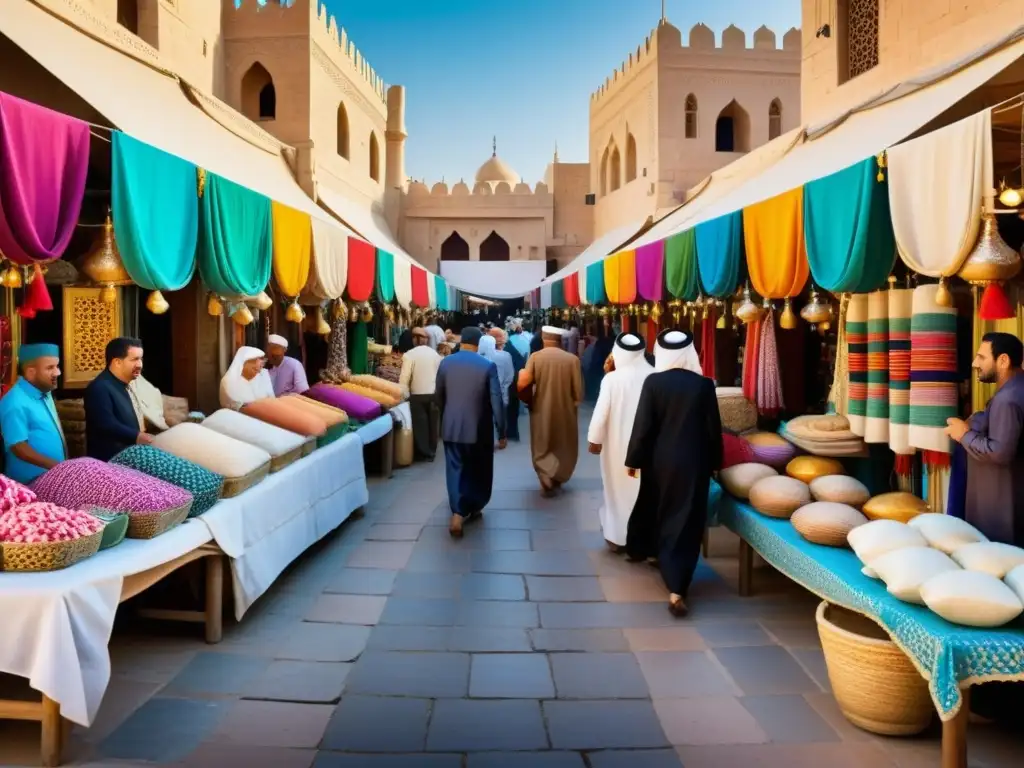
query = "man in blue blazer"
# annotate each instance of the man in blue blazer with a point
(469, 397)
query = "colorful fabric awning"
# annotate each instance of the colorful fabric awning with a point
(720, 254)
(328, 272)
(441, 293)
(572, 290)
(385, 277)
(620, 277)
(420, 289)
(773, 235)
(558, 294)
(402, 280)
(650, 270)
(293, 248)
(681, 273)
(234, 238)
(362, 267)
(44, 160)
(847, 230)
(595, 284)
(155, 207)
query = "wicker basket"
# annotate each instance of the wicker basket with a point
(309, 446)
(277, 463)
(149, 525)
(50, 556)
(738, 414)
(233, 486)
(875, 684)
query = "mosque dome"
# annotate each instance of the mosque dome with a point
(496, 170)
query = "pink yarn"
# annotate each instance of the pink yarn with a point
(13, 493)
(40, 522)
(85, 482)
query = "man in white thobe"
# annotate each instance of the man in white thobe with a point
(610, 429)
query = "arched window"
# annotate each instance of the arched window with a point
(454, 248)
(691, 117)
(630, 158)
(494, 248)
(614, 169)
(604, 171)
(775, 120)
(343, 131)
(259, 99)
(374, 157)
(128, 15)
(732, 129)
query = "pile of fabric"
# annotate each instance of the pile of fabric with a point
(824, 436)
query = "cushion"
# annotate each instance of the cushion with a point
(82, 483)
(779, 496)
(279, 413)
(809, 468)
(840, 489)
(880, 536)
(378, 384)
(274, 440)
(821, 428)
(905, 570)
(989, 557)
(738, 480)
(204, 485)
(1015, 581)
(899, 506)
(332, 416)
(211, 450)
(971, 598)
(388, 401)
(735, 450)
(827, 523)
(945, 532)
(175, 410)
(356, 406)
(770, 449)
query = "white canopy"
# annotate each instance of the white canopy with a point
(494, 279)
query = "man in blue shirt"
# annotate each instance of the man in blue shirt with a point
(33, 438)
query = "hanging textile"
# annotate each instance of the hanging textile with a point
(337, 370)
(707, 343)
(773, 235)
(362, 261)
(44, 160)
(431, 287)
(876, 414)
(839, 394)
(293, 247)
(359, 348)
(234, 238)
(769, 380)
(420, 286)
(650, 270)
(558, 294)
(620, 277)
(847, 230)
(155, 206)
(595, 284)
(328, 271)
(441, 290)
(385, 276)
(857, 343)
(720, 253)
(751, 351)
(402, 279)
(571, 289)
(901, 305)
(681, 274)
(936, 184)
(933, 372)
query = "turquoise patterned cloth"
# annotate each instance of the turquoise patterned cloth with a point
(204, 485)
(947, 655)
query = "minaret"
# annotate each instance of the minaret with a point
(494, 146)
(394, 167)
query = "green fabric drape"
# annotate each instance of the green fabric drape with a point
(358, 347)
(595, 284)
(235, 243)
(385, 276)
(850, 243)
(155, 206)
(681, 275)
(558, 294)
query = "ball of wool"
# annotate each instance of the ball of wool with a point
(86, 482)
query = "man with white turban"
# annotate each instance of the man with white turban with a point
(286, 373)
(246, 380)
(675, 446)
(609, 433)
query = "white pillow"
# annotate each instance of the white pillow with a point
(905, 570)
(739, 479)
(876, 538)
(1015, 581)
(990, 557)
(273, 440)
(971, 598)
(946, 533)
(211, 450)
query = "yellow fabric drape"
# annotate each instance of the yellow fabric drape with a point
(293, 247)
(620, 277)
(773, 233)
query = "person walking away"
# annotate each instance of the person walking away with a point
(469, 397)
(554, 384)
(419, 378)
(506, 369)
(518, 363)
(571, 339)
(519, 339)
(610, 429)
(594, 358)
(675, 446)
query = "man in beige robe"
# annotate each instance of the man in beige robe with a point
(551, 384)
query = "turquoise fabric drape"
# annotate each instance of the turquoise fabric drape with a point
(847, 230)
(595, 284)
(681, 275)
(385, 276)
(720, 254)
(441, 293)
(155, 206)
(235, 243)
(558, 294)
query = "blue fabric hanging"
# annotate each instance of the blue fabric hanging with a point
(720, 253)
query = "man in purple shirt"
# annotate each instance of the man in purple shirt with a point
(287, 373)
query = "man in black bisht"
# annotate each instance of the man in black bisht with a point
(112, 420)
(675, 446)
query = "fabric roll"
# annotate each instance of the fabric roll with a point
(901, 305)
(571, 289)
(751, 351)
(933, 372)
(857, 344)
(720, 253)
(328, 272)
(595, 284)
(155, 206)
(362, 268)
(876, 422)
(650, 269)
(839, 394)
(848, 231)
(773, 235)
(936, 184)
(682, 276)
(44, 161)
(385, 276)
(235, 244)
(293, 248)
(620, 277)
(419, 287)
(769, 380)
(402, 281)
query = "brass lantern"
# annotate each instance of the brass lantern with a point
(787, 320)
(294, 313)
(747, 311)
(322, 326)
(991, 263)
(103, 263)
(816, 311)
(11, 277)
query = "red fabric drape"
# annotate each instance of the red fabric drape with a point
(420, 293)
(750, 360)
(707, 344)
(571, 287)
(362, 269)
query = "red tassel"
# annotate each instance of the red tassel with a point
(995, 304)
(935, 459)
(26, 312)
(37, 297)
(904, 464)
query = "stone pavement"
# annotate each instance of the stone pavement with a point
(389, 645)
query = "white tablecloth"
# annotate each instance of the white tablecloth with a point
(374, 430)
(403, 415)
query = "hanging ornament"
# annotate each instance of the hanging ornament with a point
(156, 303)
(294, 313)
(214, 307)
(788, 321)
(943, 296)
(323, 328)
(815, 310)
(656, 311)
(366, 313)
(353, 313)
(990, 263)
(11, 277)
(1010, 197)
(747, 311)
(261, 301)
(242, 314)
(340, 310)
(37, 297)
(389, 313)
(108, 294)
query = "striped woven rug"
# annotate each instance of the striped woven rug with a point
(901, 303)
(876, 425)
(857, 344)
(933, 374)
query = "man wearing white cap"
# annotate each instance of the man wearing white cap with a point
(609, 433)
(675, 446)
(286, 373)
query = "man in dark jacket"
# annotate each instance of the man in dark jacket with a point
(113, 421)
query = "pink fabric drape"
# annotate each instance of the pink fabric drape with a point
(44, 160)
(650, 271)
(769, 379)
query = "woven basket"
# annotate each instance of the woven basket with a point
(875, 684)
(309, 446)
(50, 556)
(738, 414)
(277, 463)
(149, 525)
(233, 486)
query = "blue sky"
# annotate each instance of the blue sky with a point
(519, 69)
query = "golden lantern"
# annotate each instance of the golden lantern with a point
(11, 277)
(943, 296)
(108, 294)
(156, 303)
(242, 314)
(103, 265)
(366, 313)
(747, 311)
(214, 307)
(322, 326)
(816, 311)
(340, 310)
(294, 313)
(990, 263)
(261, 301)
(788, 320)
(1010, 196)
(353, 313)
